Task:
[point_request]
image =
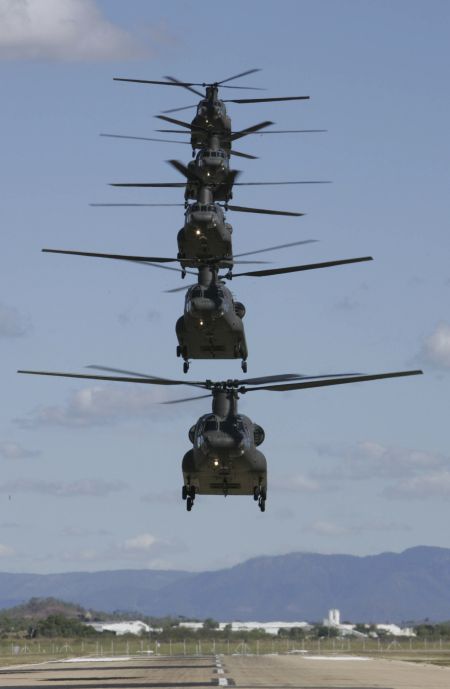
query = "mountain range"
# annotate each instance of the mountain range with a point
(394, 587)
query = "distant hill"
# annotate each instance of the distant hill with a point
(412, 585)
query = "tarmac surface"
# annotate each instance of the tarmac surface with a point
(247, 672)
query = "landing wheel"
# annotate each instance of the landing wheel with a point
(186, 367)
(256, 492)
(262, 505)
(184, 493)
(189, 503)
(263, 494)
(178, 350)
(244, 366)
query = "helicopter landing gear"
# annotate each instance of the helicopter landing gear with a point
(185, 366)
(188, 494)
(259, 494)
(244, 366)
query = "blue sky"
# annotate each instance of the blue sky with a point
(91, 473)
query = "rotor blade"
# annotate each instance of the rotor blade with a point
(132, 205)
(120, 257)
(265, 184)
(238, 76)
(177, 82)
(187, 399)
(274, 248)
(295, 269)
(179, 289)
(184, 170)
(250, 130)
(161, 381)
(265, 100)
(146, 138)
(180, 123)
(264, 211)
(162, 83)
(185, 107)
(335, 381)
(119, 379)
(285, 131)
(241, 155)
(149, 184)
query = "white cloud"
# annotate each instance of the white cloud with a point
(436, 348)
(369, 459)
(5, 550)
(10, 450)
(12, 323)
(96, 488)
(141, 542)
(326, 528)
(62, 30)
(297, 483)
(432, 485)
(97, 406)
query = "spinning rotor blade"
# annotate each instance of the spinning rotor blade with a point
(132, 205)
(155, 379)
(250, 130)
(148, 184)
(238, 76)
(265, 100)
(120, 379)
(173, 141)
(177, 82)
(146, 138)
(295, 269)
(275, 248)
(264, 211)
(187, 399)
(120, 257)
(184, 170)
(180, 123)
(334, 381)
(265, 184)
(173, 82)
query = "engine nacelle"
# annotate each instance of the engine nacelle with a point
(258, 434)
(239, 309)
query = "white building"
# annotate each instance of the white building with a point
(268, 627)
(120, 628)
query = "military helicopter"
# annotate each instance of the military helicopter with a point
(211, 326)
(224, 459)
(205, 235)
(211, 116)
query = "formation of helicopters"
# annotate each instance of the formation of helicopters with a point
(224, 459)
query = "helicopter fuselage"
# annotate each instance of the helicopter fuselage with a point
(205, 235)
(224, 459)
(211, 326)
(211, 118)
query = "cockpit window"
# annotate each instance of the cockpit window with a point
(211, 424)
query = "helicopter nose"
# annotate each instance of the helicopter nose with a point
(223, 441)
(202, 305)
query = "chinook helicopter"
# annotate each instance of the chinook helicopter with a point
(211, 116)
(224, 459)
(211, 327)
(205, 235)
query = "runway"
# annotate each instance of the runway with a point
(247, 672)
